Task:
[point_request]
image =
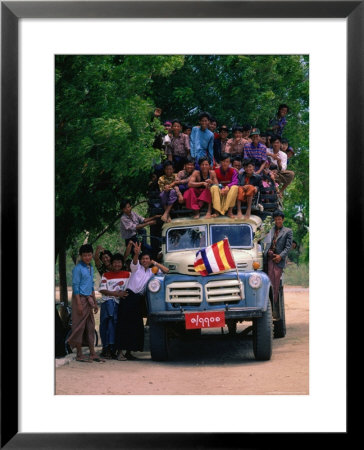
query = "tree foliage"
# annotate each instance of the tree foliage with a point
(104, 136)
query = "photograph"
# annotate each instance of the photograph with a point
(181, 224)
(159, 191)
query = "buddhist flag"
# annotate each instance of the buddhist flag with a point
(215, 258)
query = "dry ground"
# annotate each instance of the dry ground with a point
(214, 364)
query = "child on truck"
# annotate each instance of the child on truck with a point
(169, 191)
(249, 183)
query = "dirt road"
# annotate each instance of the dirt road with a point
(214, 364)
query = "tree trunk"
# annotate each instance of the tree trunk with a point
(62, 276)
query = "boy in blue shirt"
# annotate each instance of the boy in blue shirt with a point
(84, 306)
(202, 139)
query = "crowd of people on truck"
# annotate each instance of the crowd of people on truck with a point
(199, 166)
(237, 165)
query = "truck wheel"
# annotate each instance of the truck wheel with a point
(193, 333)
(231, 324)
(279, 330)
(158, 342)
(263, 335)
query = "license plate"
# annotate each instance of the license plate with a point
(205, 319)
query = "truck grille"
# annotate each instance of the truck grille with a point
(187, 292)
(224, 291)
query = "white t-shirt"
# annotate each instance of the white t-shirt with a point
(283, 158)
(114, 281)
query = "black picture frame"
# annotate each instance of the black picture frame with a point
(11, 12)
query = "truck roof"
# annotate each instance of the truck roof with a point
(254, 221)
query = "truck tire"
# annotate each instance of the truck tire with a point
(232, 325)
(158, 342)
(263, 335)
(193, 333)
(279, 329)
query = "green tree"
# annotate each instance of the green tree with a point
(104, 137)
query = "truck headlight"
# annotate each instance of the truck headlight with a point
(255, 281)
(154, 285)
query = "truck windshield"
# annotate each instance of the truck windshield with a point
(188, 238)
(239, 235)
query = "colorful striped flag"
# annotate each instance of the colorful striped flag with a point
(215, 258)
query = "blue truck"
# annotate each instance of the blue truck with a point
(184, 302)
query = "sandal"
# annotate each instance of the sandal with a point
(121, 357)
(97, 359)
(130, 357)
(83, 359)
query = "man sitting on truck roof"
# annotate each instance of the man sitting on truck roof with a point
(183, 176)
(279, 161)
(256, 151)
(224, 194)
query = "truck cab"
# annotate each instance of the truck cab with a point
(183, 301)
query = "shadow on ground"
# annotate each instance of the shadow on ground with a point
(211, 348)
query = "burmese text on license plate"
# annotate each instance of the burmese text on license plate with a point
(205, 319)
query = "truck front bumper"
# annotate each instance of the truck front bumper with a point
(230, 314)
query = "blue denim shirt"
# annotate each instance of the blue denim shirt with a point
(83, 279)
(202, 144)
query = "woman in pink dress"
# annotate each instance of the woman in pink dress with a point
(199, 189)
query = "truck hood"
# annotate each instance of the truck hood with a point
(182, 262)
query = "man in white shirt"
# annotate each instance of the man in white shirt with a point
(278, 160)
(129, 334)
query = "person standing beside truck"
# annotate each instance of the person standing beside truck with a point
(102, 259)
(112, 287)
(278, 244)
(84, 306)
(129, 333)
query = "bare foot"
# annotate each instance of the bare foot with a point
(208, 216)
(240, 216)
(169, 220)
(214, 215)
(196, 216)
(231, 215)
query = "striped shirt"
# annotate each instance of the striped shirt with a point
(258, 153)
